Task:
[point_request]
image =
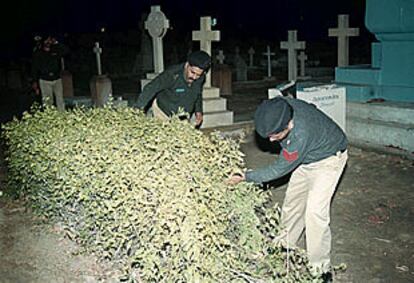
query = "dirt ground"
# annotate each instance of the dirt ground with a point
(372, 221)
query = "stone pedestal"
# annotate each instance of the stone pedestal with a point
(67, 83)
(221, 78)
(150, 77)
(215, 109)
(101, 88)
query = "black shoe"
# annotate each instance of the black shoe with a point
(327, 277)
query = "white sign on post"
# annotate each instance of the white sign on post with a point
(330, 99)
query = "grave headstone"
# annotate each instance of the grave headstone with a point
(221, 78)
(100, 85)
(390, 74)
(205, 35)
(387, 82)
(157, 25)
(251, 58)
(302, 59)
(292, 45)
(220, 57)
(221, 75)
(343, 32)
(67, 81)
(241, 66)
(268, 54)
(214, 106)
(98, 51)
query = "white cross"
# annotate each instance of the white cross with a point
(343, 32)
(97, 50)
(292, 45)
(220, 57)
(205, 35)
(157, 25)
(302, 58)
(251, 53)
(269, 63)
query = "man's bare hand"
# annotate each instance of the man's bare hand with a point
(35, 87)
(236, 178)
(198, 118)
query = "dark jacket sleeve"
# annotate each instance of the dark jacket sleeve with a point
(289, 158)
(162, 81)
(199, 102)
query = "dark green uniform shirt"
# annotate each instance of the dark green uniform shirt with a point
(172, 92)
(314, 137)
(47, 65)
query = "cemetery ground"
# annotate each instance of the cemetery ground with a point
(371, 217)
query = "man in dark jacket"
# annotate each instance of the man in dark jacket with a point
(314, 147)
(46, 71)
(178, 88)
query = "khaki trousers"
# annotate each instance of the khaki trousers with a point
(158, 113)
(50, 89)
(307, 206)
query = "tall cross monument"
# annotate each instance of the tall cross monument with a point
(205, 35)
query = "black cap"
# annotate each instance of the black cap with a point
(199, 59)
(272, 116)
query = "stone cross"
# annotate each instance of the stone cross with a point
(97, 50)
(157, 25)
(220, 57)
(292, 45)
(251, 53)
(343, 32)
(302, 58)
(269, 62)
(205, 35)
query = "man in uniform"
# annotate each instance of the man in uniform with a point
(179, 87)
(314, 147)
(47, 69)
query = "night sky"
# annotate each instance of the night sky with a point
(265, 19)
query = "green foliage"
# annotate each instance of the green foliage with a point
(149, 195)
